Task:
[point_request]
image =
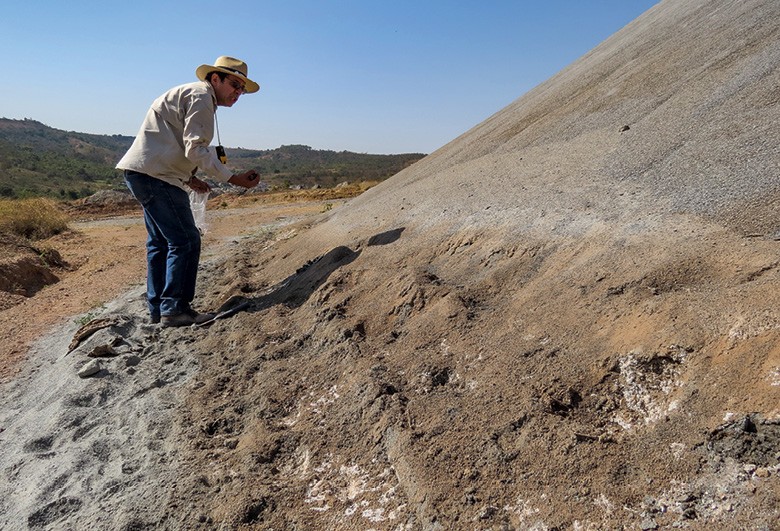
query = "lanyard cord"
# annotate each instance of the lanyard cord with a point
(216, 122)
(220, 150)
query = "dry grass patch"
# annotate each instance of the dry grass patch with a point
(34, 219)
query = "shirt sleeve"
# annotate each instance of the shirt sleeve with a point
(198, 132)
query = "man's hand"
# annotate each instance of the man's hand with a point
(248, 179)
(198, 185)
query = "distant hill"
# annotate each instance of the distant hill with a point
(298, 165)
(38, 160)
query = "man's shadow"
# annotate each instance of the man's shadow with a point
(298, 287)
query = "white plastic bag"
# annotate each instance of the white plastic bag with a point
(198, 206)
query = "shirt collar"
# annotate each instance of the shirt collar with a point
(210, 88)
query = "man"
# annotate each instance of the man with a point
(159, 168)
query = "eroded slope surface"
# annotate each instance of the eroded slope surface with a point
(564, 319)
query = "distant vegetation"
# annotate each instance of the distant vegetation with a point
(39, 161)
(297, 165)
(36, 160)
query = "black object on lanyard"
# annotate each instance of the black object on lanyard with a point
(220, 149)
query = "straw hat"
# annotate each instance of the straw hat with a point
(229, 65)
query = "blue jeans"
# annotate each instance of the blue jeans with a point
(173, 246)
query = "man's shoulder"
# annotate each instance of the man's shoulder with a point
(181, 97)
(187, 95)
(194, 88)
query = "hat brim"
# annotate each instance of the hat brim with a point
(203, 70)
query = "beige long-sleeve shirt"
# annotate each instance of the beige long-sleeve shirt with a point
(175, 136)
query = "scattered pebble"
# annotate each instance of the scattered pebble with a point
(90, 369)
(103, 351)
(648, 525)
(762, 472)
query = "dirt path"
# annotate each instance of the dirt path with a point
(104, 257)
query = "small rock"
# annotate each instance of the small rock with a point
(648, 525)
(102, 351)
(487, 512)
(624, 128)
(648, 502)
(762, 472)
(91, 368)
(747, 425)
(132, 361)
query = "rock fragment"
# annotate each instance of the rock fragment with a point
(90, 369)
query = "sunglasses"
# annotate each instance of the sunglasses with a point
(236, 86)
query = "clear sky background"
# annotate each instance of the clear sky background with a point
(358, 75)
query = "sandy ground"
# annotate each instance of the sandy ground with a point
(380, 384)
(45, 400)
(566, 318)
(104, 256)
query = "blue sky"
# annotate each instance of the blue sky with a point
(366, 76)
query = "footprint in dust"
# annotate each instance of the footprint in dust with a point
(40, 445)
(44, 517)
